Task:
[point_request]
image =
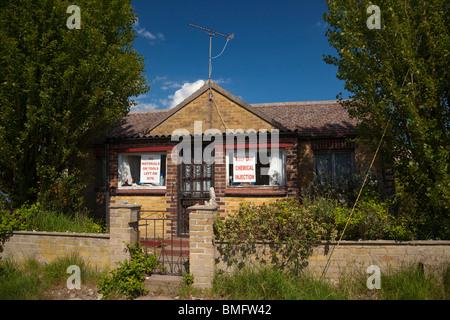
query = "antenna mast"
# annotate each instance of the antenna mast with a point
(211, 33)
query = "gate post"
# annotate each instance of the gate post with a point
(201, 244)
(123, 229)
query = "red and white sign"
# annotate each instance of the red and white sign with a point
(244, 169)
(150, 168)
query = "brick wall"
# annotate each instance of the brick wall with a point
(47, 246)
(100, 250)
(201, 244)
(352, 257)
(201, 109)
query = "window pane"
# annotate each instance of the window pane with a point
(100, 172)
(343, 164)
(322, 164)
(276, 170)
(131, 166)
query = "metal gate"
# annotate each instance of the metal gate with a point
(158, 236)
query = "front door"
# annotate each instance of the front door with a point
(194, 182)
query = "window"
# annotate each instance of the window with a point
(100, 172)
(333, 164)
(139, 171)
(250, 171)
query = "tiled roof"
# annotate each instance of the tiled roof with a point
(309, 119)
(136, 124)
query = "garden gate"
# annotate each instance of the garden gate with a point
(158, 236)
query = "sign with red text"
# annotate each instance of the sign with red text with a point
(244, 168)
(150, 169)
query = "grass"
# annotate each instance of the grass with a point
(42, 220)
(409, 283)
(272, 284)
(29, 279)
(412, 283)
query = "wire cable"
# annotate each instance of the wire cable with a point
(354, 205)
(217, 108)
(226, 43)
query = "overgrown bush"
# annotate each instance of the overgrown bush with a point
(285, 225)
(128, 278)
(10, 220)
(370, 221)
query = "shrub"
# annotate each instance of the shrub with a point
(370, 221)
(10, 220)
(285, 225)
(128, 278)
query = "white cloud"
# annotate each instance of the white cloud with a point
(186, 90)
(142, 103)
(144, 106)
(322, 24)
(147, 34)
(170, 85)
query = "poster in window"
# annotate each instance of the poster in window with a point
(244, 168)
(150, 169)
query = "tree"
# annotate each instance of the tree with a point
(398, 76)
(61, 88)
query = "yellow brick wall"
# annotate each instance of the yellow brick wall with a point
(232, 203)
(201, 109)
(48, 246)
(353, 257)
(158, 203)
(154, 203)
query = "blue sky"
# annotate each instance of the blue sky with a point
(275, 56)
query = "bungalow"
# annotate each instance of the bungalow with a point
(148, 159)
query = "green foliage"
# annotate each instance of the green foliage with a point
(398, 77)
(128, 278)
(272, 284)
(407, 283)
(285, 225)
(411, 283)
(370, 221)
(188, 278)
(34, 217)
(10, 221)
(29, 279)
(39, 219)
(60, 90)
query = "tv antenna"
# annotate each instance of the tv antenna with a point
(211, 33)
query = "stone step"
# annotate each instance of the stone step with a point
(161, 282)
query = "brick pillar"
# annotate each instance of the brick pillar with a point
(201, 244)
(123, 230)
